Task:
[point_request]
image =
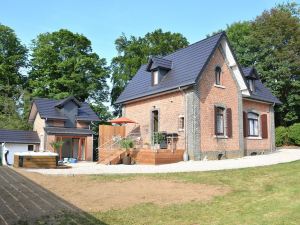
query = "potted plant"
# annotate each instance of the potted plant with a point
(157, 139)
(56, 145)
(127, 144)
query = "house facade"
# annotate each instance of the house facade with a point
(216, 108)
(66, 120)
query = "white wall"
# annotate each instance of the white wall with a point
(14, 148)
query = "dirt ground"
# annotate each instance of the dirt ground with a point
(92, 195)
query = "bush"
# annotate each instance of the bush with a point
(126, 143)
(294, 134)
(281, 136)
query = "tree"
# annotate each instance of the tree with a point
(64, 64)
(13, 57)
(13, 60)
(238, 34)
(271, 43)
(135, 51)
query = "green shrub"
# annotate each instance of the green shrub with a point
(294, 134)
(281, 136)
(126, 143)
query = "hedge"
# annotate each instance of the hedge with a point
(288, 135)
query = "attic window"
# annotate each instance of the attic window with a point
(155, 77)
(218, 75)
(251, 85)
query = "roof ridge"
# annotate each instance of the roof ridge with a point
(197, 42)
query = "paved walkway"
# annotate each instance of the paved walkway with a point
(280, 156)
(24, 202)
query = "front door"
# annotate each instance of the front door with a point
(154, 124)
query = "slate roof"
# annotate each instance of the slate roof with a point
(261, 93)
(67, 131)
(187, 65)
(61, 103)
(47, 109)
(19, 136)
(157, 62)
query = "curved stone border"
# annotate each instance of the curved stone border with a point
(280, 156)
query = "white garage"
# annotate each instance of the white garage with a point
(17, 141)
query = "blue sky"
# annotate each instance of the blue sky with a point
(103, 21)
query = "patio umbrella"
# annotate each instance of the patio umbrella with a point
(121, 120)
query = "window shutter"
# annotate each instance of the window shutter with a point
(215, 112)
(229, 122)
(264, 126)
(245, 124)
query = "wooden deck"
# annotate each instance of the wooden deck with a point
(145, 156)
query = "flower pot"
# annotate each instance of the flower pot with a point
(126, 160)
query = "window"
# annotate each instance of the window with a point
(219, 121)
(30, 147)
(251, 85)
(181, 123)
(218, 75)
(155, 77)
(253, 124)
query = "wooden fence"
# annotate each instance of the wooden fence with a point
(107, 132)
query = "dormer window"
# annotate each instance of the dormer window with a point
(218, 75)
(155, 77)
(251, 85)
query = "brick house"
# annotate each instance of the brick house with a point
(217, 108)
(66, 120)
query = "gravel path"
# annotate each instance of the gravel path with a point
(280, 156)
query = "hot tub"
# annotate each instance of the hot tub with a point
(36, 159)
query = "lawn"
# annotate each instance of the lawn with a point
(264, 195)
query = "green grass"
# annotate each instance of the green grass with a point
(264, 195)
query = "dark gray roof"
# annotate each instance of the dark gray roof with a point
(261, 93)
(47, 109)
(156, 62)
(61, 103)
(19, 136)
(187, 64)
(67, 131)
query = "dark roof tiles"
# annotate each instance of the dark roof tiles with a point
(67, 131)
(187, 65)
(47, 108)
(19, 136)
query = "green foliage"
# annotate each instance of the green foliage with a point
(13, 57)
(271, 43)
(126, 143)
(64, 64)
(294, 134)
(56, 145)
(135, 51)
(281, 136)
(157, 138)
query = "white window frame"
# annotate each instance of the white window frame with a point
(181, 123)
(155, 77)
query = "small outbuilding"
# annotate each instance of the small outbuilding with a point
(17, 141)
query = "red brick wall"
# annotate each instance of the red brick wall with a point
(258, 143)
(170, 107)
(211, 95)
